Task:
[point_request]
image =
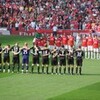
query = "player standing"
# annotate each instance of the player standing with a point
(79, 60)
(95, 47)
(54, 60)
(45, 59)
(0, 58)
(6, 58)
(70, 60)
(70, 41)
(16, 60)
(62, 59)
(90, 46)
(65, 41)
(51, 42)
(36, 55)
(58, 42)
(25, 57)
(84, 45)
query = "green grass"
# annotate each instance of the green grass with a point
(17, 86)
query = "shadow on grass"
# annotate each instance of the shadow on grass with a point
(90, 74)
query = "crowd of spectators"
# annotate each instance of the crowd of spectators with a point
(45, 14)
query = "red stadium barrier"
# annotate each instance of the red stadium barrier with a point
(46, 31)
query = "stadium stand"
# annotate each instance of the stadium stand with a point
(44, 14)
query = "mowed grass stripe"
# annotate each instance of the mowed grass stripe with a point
(91, 92)
(41, 87)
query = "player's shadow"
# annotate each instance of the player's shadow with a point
(91, 74)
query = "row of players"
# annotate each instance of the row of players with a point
(89, 43)
(57, 57)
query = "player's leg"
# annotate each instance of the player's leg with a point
(13, 67)
(47, 69)
(77, 66)
(88, 52)
(32, 69)
(94, 53)
(23, 66)
(64, 66)
(72, 66)
(68, 66)
(18, 64)
(91, 51)
(8, 64)
(97, 52)
(38, 68)
(27, 67)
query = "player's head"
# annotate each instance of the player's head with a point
(8, 46)
(25, 44)
(16, 44)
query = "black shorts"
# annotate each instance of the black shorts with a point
(0, 59)
(54, 61)
(63, 61)
(35, 59)
(45, 60)
(79, 61)
(6, 59)
(70, 61)
(16, 60)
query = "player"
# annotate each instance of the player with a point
(6, 57)
(25, 57)
(16, 60)
(90, 46)
(58, 42)
(84, 45)
(70, 41)
(45, 58)
(62, 59)
(51, 42)
(65, 41)
(54, 60)
(70, 60)
(36, 55)
(95, 47)
(79, 59)
(0, 58)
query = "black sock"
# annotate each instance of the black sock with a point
(32, 69)
(52, 69)
(80, 71)
(23, 67)
(18, 68)
(42, 69)
(27, 67)
(38, 69)
(56, 70)
(72, 71)
(47, 70)
(9, 67)
(13, 67)
(60, 70)
(76, 70)
(64, 70)
(4, 67)
(68, 70)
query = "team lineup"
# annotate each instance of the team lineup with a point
(58, 55)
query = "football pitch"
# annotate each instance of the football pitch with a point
(17, 86)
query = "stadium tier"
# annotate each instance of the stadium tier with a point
(50, 14)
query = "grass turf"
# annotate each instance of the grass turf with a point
(15, 86)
